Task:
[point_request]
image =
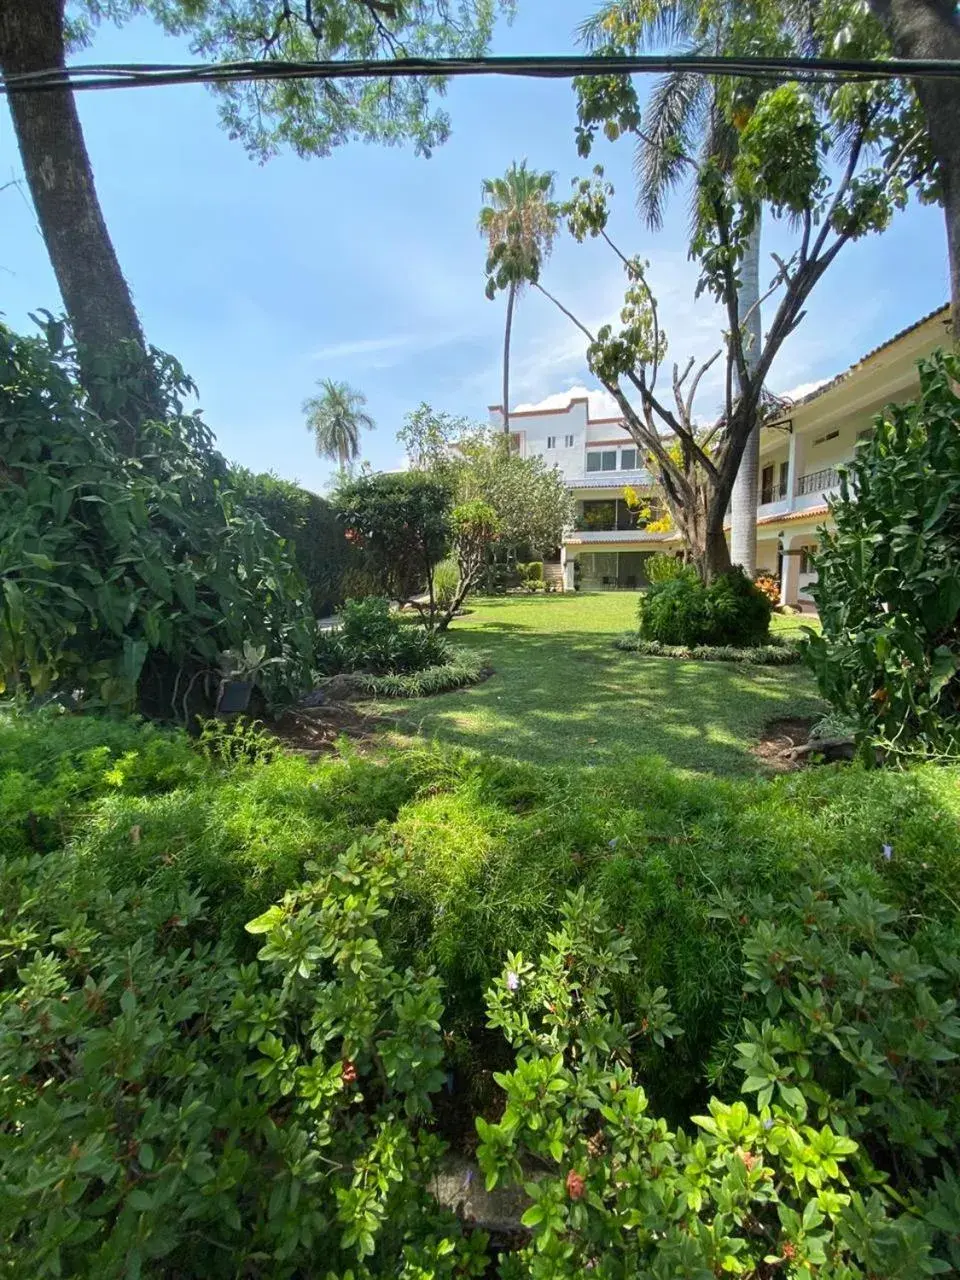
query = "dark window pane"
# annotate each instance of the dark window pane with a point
(628, 459)
(609, 457)
(593, 462)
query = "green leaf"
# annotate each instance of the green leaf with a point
(264, 923)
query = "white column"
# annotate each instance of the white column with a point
(790, 576)
(798, 462)
(569, 569)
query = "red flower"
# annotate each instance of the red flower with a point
(575, 1185)
(348, 1072)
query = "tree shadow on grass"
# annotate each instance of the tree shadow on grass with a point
(570, 697)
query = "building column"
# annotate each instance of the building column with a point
(569, 571)
(797, 465)
(790, 576)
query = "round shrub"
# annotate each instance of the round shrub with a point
(676, 612)
(739, 611)
(731, 610)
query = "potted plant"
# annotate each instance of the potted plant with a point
(240, 668)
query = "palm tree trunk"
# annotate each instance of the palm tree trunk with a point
(743, 500)
(508, 327)
(60, 178)
(931, 29)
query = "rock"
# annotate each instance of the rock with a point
(334, 689)
(460, 1186)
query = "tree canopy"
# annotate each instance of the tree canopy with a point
(313, 116)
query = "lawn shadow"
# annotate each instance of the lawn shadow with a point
(571, 697)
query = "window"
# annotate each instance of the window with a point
(831, 435)
(628, 459)
(866, 434)
(806, 562)
(602, 460)
(551, 442)
(773, 482)
(514, 441)
(568, 442)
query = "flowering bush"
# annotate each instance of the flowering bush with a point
(769, 585)
(615, 1192)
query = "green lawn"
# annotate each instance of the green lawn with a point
(562, 693)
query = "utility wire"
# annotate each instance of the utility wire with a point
(563, 66)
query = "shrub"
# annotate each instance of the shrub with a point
(888, 589)
(770, 586)
(676, 612)
(446, 579)
(665, 568)
(682, 611)
(123, 580)
(532, 571)
(462, 667)
(750, 1191)
(401, 524)
(371, 639)
(180, 1115)
(777, 653)
(740, 612)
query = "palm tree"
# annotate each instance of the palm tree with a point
(519, 221)
(683, 119)
(335, 417)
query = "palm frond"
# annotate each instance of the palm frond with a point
(636, 25)
(675, 113)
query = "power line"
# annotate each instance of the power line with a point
(547, 66)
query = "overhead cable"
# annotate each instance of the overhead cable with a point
(544, 66)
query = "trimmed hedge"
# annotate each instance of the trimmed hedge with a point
(463, 668)
(776, 653)
(308, 524)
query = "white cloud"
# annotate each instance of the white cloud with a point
(601, 403)
(804, 388)
(361, 347)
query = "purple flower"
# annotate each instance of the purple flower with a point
(613, 843)
(888, 851)
(513, 981)
(768, 1124)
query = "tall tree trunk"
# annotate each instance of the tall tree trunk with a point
(931, 29)
(743, 501)
(507, 329)
(715, 558)
(58, 172)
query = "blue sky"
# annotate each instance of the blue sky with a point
(366, 266)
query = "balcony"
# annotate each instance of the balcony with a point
(816, 482)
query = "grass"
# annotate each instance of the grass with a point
(562, 694)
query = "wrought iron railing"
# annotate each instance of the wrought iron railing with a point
(819, 481)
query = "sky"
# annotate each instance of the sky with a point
(366, 266)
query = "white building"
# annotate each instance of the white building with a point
(799, 456)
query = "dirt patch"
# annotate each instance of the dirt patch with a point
(313, 731)
(779, 737)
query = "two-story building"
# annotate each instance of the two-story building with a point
(601, 464)
(799, 456)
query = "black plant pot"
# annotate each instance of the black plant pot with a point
(234, 696)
